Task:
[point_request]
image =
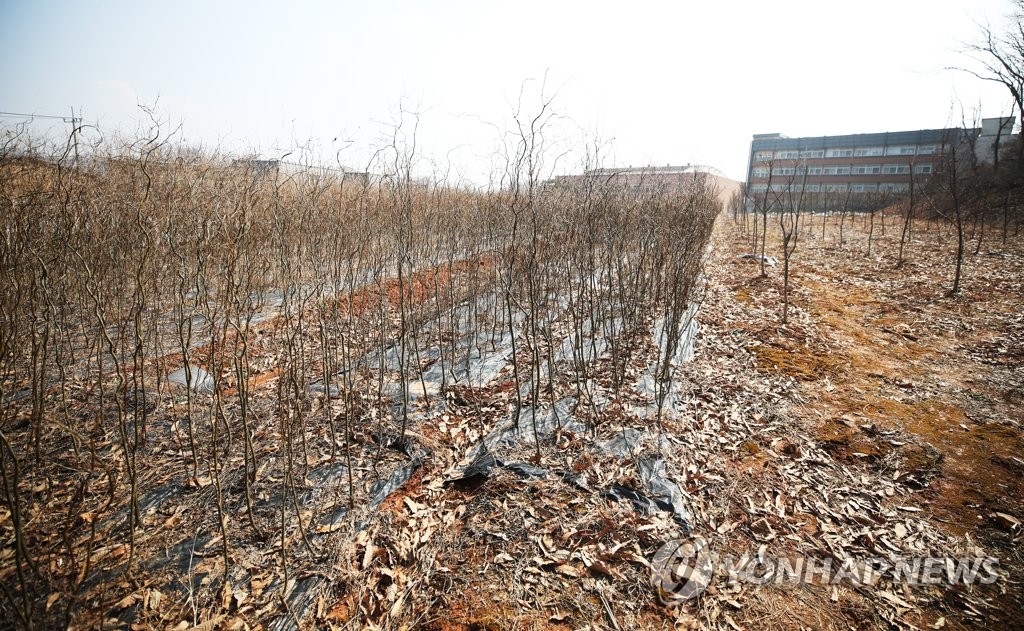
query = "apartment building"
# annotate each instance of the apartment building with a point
(863, 163)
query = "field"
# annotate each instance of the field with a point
(234, 401)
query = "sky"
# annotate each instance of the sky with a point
(648, 83)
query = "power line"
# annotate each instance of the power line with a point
(66, 119)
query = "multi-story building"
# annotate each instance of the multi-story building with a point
(281, 170)
(863, 163)
(670, 177)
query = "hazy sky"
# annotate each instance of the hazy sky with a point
(659, 82)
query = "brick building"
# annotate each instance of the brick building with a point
(863, 163)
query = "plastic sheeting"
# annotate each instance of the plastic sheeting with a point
(201, 381)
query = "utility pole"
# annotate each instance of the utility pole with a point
(74, 131)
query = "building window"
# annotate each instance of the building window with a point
(783, 171)
(813, 153)
(895, 187)
(906, 150)
(839, 153)
(835, 171)
(758, 188)
(926, 150)
(763, 155)
(834, 188)
(759, 172)
(787, 155)
(867, 169)
(895, 169)
(864, 188)
(867, 151)
(923, 169)
(813, 188)
(814, 171)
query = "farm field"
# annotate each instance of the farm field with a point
(215, 380)
(471, 317)
(327, 404)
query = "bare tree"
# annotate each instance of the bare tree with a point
(763, 203)
(908, 211)
(954, 186)
(789, 223)
(999, 55)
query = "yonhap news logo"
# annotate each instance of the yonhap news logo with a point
(682, 570)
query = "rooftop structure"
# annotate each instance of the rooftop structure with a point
(657, 171)
(668, 176)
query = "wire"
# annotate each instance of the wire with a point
(66, 119)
